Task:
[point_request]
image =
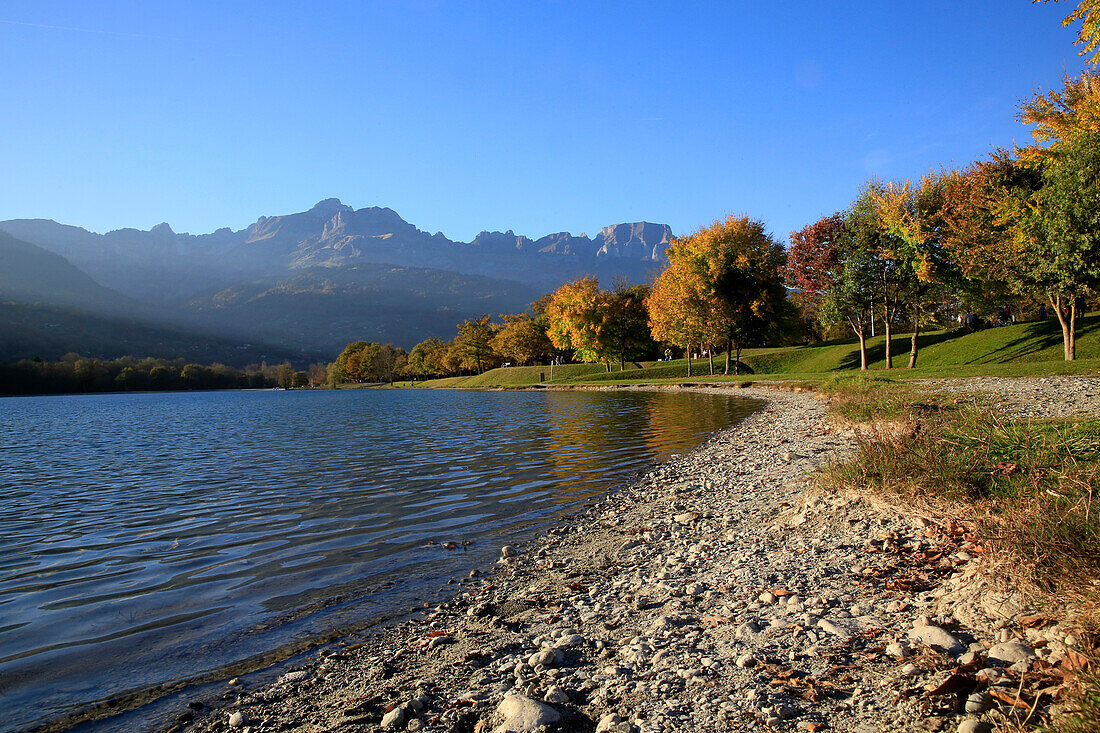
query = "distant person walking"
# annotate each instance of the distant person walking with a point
(1042, 311)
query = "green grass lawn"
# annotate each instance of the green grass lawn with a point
(1023, 349)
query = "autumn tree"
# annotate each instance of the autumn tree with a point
(474, 342)
(426, 358)
(522, 338)
(881, 253)
(678, 308)
(987, 210)
(836, 274)
(367, 361)
(1088, 37)
(737, 268)
(812, 259)
(913, 214)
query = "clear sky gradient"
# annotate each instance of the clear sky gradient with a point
(536, 117)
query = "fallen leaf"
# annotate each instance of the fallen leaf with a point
(781, 592)
(954, 683)
(1075, 660)
(1011, 699)
(1027, 622)
(715, 620)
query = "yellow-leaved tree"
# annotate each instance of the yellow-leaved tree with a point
(1088, 38)
(728, 283)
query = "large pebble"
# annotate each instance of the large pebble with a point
(1011, 652)
(973, 725)
(523, 715)
(937, 638)
(978, 703)
(612, 724)
(393, 718)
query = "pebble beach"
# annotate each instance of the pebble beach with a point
(722, 591)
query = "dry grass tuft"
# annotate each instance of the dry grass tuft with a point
(1030, 487)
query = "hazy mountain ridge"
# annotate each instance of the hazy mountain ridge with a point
(319, 278)
(33, 274)
(332, 234)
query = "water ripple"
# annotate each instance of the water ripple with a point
(147, 537)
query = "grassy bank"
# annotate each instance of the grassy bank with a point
(1025, 488)
(1024, 349)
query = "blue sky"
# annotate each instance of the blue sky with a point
(536, 117)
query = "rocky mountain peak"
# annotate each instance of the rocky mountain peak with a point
(328, 207)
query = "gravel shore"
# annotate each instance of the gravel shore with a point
(721, 591)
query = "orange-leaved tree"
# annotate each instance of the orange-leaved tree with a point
(575, 319)
(736, 266)
(679, 307)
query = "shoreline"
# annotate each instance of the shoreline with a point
(720, 591)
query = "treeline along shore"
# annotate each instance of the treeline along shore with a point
(75, 374)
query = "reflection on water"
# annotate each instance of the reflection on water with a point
(144, 538)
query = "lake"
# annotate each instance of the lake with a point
(152, 540)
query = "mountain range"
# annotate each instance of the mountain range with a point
(312, 280)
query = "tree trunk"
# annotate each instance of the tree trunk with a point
(1069, 326)
(687, 353)
(710, 357)
(886, 331)
(859, 331)
(913, 342)
(737, 358)
(1073, 331)
(729, 349)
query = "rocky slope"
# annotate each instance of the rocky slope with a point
(720, 592)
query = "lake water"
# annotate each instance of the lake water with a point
(148, 539)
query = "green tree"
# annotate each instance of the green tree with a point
(626, 332)
(1068, 207)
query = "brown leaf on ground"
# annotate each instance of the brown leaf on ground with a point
(1075, 660)
(1008, 697)
(953, 684)
(715, 620)
(781, 592)
(437, 632)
